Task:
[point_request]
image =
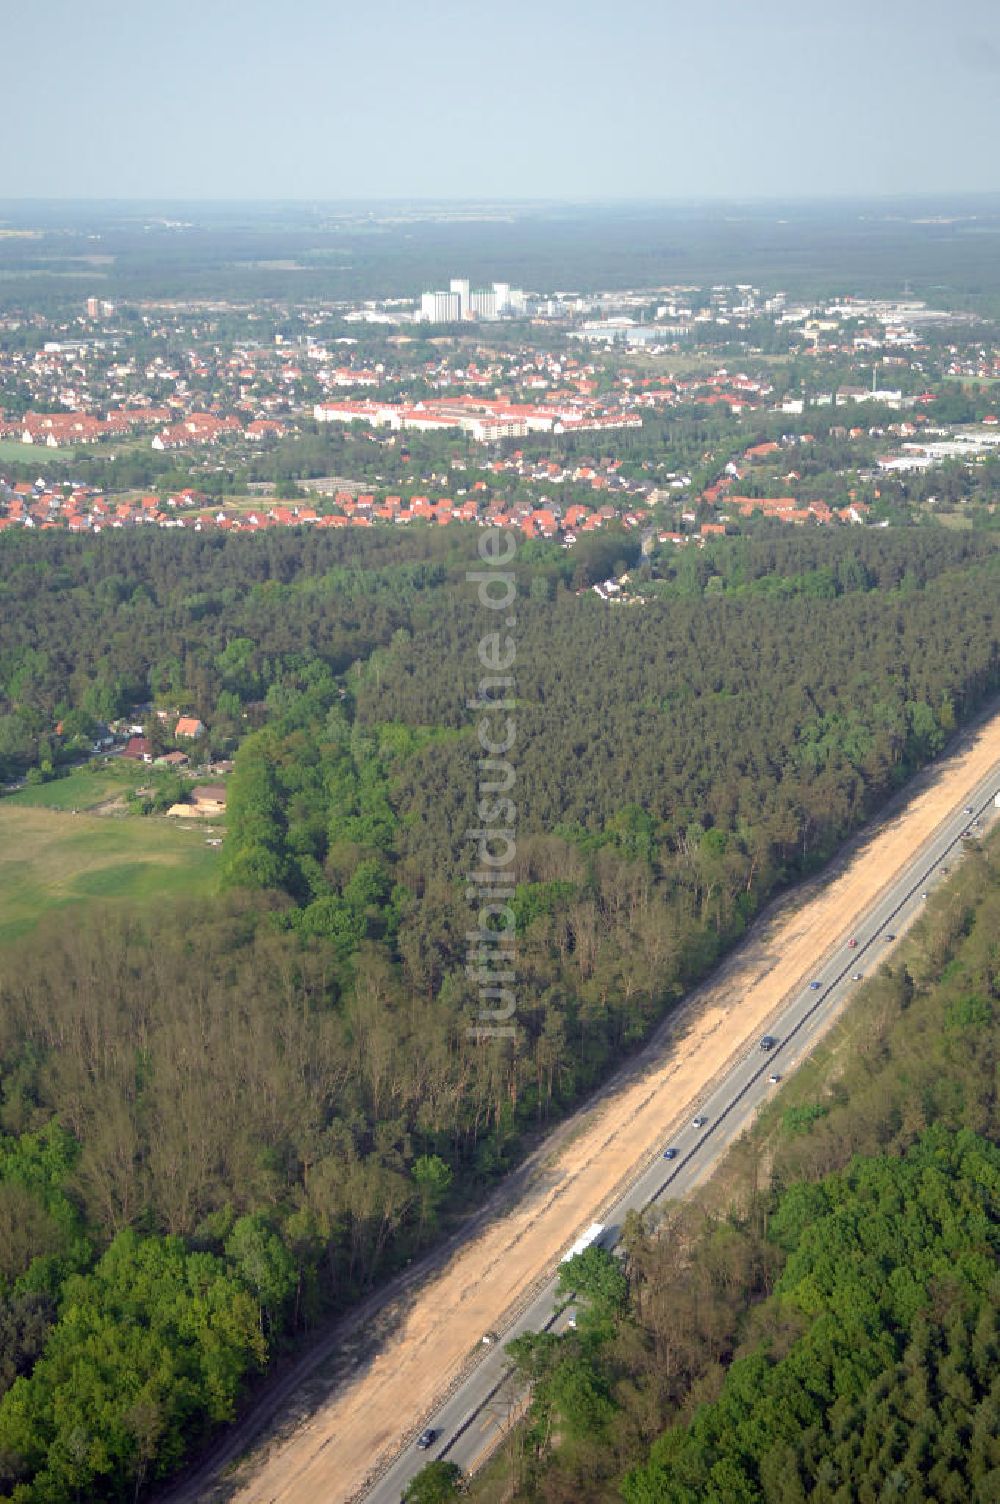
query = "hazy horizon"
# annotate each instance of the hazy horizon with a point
(941, 196)
(320, 100)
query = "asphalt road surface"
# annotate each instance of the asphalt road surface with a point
(469, 1425)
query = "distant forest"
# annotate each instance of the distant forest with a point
(219, 1126)
(297, 253)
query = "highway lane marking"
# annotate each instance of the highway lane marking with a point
(821, 1012)
(826, 1003)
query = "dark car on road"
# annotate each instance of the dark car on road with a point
(768, 1042)
(670, 1154)
(426, 1439)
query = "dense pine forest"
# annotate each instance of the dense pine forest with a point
(829, 1327)
(220, 1125)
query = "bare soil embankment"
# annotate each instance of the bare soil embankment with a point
(430, 1333)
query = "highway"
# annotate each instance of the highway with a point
(472, 1421)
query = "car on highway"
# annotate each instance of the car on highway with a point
(426, 1439)
(890, 935)
(852, 944)
(768, 1042)
(815, 986)
(969, 810)
(944, 871)
(774, 1078)
(857, 976)
(925, 895)
(699, 1121)
(670, 1154)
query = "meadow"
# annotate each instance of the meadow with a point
(13, 449)
(51, 858)
(94, 784)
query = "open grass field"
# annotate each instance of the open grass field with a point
(13, 449)
(89, 786)
(53, 859)
(38, 454)
(684, 362)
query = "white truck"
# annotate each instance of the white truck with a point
(584, 1241)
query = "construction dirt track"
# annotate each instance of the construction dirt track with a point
(327, 1443)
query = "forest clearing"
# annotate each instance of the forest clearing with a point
(52, 858)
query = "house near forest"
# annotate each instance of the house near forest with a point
(140, 748)
(209, 798)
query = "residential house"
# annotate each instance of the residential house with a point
(140, 748)
(189, 725)
(209, 798)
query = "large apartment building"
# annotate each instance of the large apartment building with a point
(463, 302)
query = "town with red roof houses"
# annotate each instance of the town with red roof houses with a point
(579, 414)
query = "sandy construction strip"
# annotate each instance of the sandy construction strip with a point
(330, 1455)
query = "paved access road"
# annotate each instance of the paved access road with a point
(471, 1422)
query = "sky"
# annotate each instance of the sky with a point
(508, 99)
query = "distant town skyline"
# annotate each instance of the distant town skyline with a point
(546, 100)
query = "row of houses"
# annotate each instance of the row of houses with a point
(60, 430)
(778, 508)
(482, 419)
(788, 509)
(80, 508)
(55, 430)
(83, 510)
(209, 428)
